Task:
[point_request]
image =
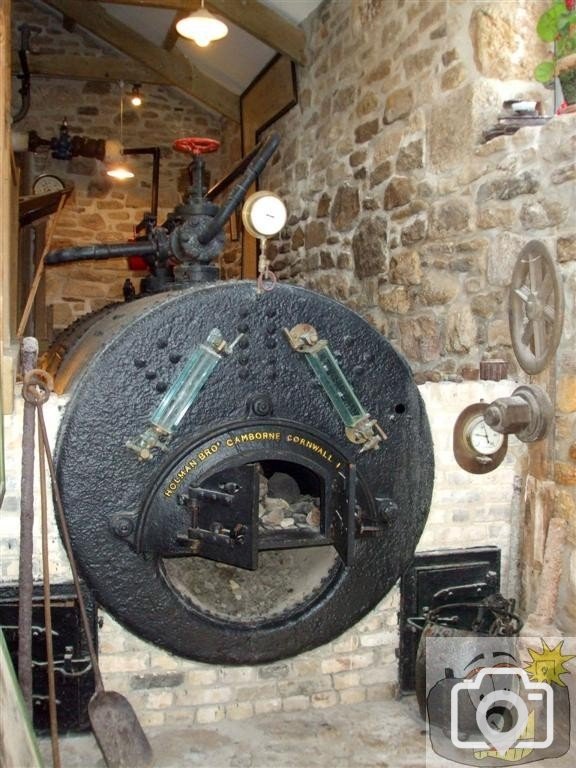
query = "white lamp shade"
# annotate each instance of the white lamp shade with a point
(202, 27)
(120, 173)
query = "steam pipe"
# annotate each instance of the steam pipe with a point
(156, 246)
(255, 167)
(239, 168)
(104, 251)
(25, 32)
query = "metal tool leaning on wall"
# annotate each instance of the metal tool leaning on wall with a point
(114, 723)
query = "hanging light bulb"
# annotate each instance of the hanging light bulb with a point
(202, 27)
(118, 170)
(136, 96)
(120, 173)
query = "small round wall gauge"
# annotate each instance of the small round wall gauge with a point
(477, 447)
(264, 214)
(46, 183)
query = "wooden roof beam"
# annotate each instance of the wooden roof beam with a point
(173, 66)
(104, 68)
(252, 16)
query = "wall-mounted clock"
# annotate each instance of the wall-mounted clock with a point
(264, 214)
(477, 447)
(47, 183)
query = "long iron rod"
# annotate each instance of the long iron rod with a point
(68, 547)
(47, 607)
(29, 355)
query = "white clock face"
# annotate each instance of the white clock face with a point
(264, 214)
(47, 183)
(482, 438)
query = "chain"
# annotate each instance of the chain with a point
(266, 278)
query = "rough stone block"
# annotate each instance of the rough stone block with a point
(508, 187)
(450, 129)
(405, 268)
(366, 131)
(414, 232)
(502, 258)
(399, 191)
(369, 247)
(345, 207)
(460, 329)
(396, 299)
(494, 31)
(398, 105)
(420, 338)
(437, 288)
(566, 248)
(410, 156)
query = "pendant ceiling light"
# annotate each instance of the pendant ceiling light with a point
(119, 170)
(202, 27)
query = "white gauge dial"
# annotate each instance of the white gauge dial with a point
(47, 183)
(482, 438)
(264, 214)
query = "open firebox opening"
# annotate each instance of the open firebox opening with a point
(290, 504)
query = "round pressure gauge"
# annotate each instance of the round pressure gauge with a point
(264, 214)
(477, 447)
(46, 183)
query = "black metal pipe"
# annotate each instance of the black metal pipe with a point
(25, 31)
(255, 167)
(239, 168)
(103, 251)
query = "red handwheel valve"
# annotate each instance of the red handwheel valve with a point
(195, 145)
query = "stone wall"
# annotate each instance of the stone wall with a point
(102, 210)
(401, 210)
(396, 206)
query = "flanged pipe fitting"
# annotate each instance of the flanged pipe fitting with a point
(527, 413)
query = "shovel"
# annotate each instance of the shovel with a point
(114, 723)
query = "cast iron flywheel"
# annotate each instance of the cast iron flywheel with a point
(262, 526)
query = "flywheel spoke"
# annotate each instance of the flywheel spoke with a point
(535, 272)
(523, 293)
(539, 337)
(546, 288)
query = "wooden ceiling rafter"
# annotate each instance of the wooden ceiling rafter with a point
(172, 35)
(104, 68)
(252, 16)
(172, 66)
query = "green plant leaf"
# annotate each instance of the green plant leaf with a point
(544, 72)
(548, 24)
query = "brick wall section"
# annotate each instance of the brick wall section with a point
(102, 210)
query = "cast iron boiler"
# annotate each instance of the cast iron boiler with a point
(245, 473)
